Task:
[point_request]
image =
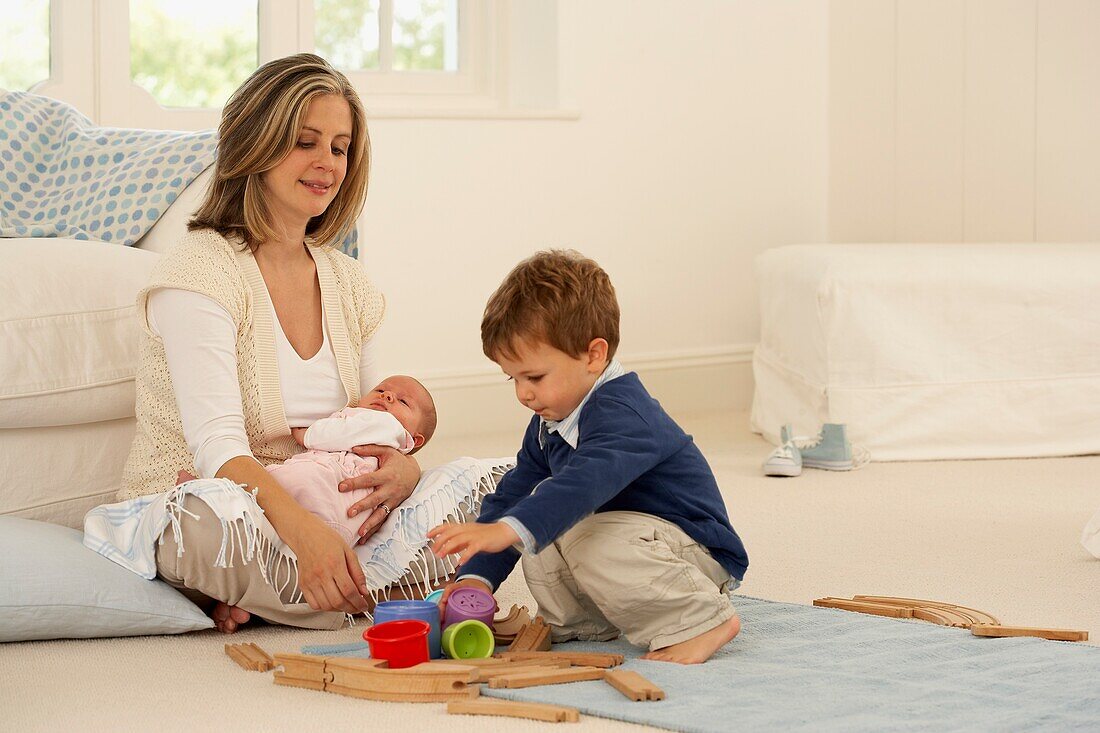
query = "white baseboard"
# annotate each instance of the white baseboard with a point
(685, 382)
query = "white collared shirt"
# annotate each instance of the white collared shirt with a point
(569, 427)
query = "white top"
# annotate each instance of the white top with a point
(200, 346)
(352, 426)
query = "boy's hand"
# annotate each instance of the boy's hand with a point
(470, 538)
(464, 583)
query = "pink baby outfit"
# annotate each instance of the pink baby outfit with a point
(312, 477)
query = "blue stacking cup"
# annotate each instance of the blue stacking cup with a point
(419, 610)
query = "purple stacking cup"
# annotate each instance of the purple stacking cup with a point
(469, 603)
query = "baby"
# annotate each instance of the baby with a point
(398, 413)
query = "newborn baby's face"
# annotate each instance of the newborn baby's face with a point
(404, 398)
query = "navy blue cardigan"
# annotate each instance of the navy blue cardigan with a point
(631, 456)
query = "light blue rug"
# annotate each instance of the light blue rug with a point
(798, 667)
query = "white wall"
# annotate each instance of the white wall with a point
(964, 121)
(701, 141)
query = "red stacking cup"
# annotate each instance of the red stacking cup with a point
(401, 643)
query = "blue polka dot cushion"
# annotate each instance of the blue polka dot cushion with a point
(62, 176)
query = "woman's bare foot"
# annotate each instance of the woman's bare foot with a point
(228, 618)
(700, 648)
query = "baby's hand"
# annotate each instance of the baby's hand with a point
(299, 435)
(470, 538)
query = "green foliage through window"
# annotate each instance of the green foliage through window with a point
(192, 54)
(24, 44)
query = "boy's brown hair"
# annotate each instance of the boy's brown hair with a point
(559, 297)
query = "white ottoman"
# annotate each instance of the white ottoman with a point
(933, 351)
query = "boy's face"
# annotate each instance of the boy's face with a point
(404, 398)
(550, 382)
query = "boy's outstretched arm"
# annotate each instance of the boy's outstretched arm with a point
(468, 539)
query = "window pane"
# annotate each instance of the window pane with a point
(425, 35)
(345, 32)
(24, 44)
(194, 53)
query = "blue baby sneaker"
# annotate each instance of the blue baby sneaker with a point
(786, 460)
(830, 450)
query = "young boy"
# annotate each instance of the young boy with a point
(612, 507)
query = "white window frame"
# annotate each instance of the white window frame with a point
(90, 65)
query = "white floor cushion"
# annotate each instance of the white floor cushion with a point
(933, 351)
(68, 335)
(68, 352)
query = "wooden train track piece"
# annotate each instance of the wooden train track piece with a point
(372, 680)
(875, 609)
(506, 627)
(997, 630)
(944, 614)
(250, 656)
(975, 616)
(302, 670)
(546, 677)
(508, 709)
(980, 623)
(633, 685)
(585, 659)
(531, 637)
(486, 672)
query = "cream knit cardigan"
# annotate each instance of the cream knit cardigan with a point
(207, 263)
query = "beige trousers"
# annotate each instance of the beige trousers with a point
(628, 572)
(243, 585)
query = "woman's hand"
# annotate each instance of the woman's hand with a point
(329, 574)
(393, 482)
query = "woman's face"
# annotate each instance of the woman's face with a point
(307, 180)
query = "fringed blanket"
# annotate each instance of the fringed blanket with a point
(62, 176)
(128, 532)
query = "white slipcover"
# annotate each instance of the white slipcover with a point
(933, 351)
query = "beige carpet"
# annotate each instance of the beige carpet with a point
(1001, 536)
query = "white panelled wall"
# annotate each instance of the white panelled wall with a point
(712, 130)
(972, 121)
(701, 141)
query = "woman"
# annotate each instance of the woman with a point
(253, 325)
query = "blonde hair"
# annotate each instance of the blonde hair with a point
(259, 128)
(558, 297)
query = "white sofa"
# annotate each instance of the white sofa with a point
(68, 351)
(933, 351)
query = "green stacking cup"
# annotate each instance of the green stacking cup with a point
(468, 640)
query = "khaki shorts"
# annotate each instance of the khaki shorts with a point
(632, 573)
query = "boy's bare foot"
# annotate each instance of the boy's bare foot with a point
(700, 648)
(228, 618)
